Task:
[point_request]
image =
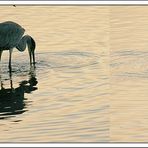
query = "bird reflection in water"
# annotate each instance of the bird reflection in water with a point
(12, 100)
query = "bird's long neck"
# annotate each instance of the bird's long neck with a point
(29, 41)
(23, 42)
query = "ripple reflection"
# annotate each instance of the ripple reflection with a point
(12, 99)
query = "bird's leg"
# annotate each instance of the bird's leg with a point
(0, 59)
(10, 54)
(1, 82)
(10, 77)
(1, 54)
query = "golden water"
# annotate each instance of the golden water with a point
(70, 102)
(129, 74)
(91, 77)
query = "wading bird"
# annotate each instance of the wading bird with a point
(11, 36)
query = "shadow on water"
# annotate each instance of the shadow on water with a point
(12, 100)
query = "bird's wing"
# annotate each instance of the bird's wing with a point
(10, 34)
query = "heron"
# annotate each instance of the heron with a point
(12, 36)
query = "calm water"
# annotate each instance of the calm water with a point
(129, 74)
(65, 98)
(91, 77)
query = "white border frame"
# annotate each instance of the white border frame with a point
(74, 3)
(75, 145)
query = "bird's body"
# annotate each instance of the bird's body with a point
(11, 36)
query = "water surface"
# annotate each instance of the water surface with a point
(129, 74)
(65, 98)
(91, 77)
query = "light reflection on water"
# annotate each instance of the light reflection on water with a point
(91, 70)
(12, 100)
(70, 102)
(55, 90)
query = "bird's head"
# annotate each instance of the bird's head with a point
(29, 41)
